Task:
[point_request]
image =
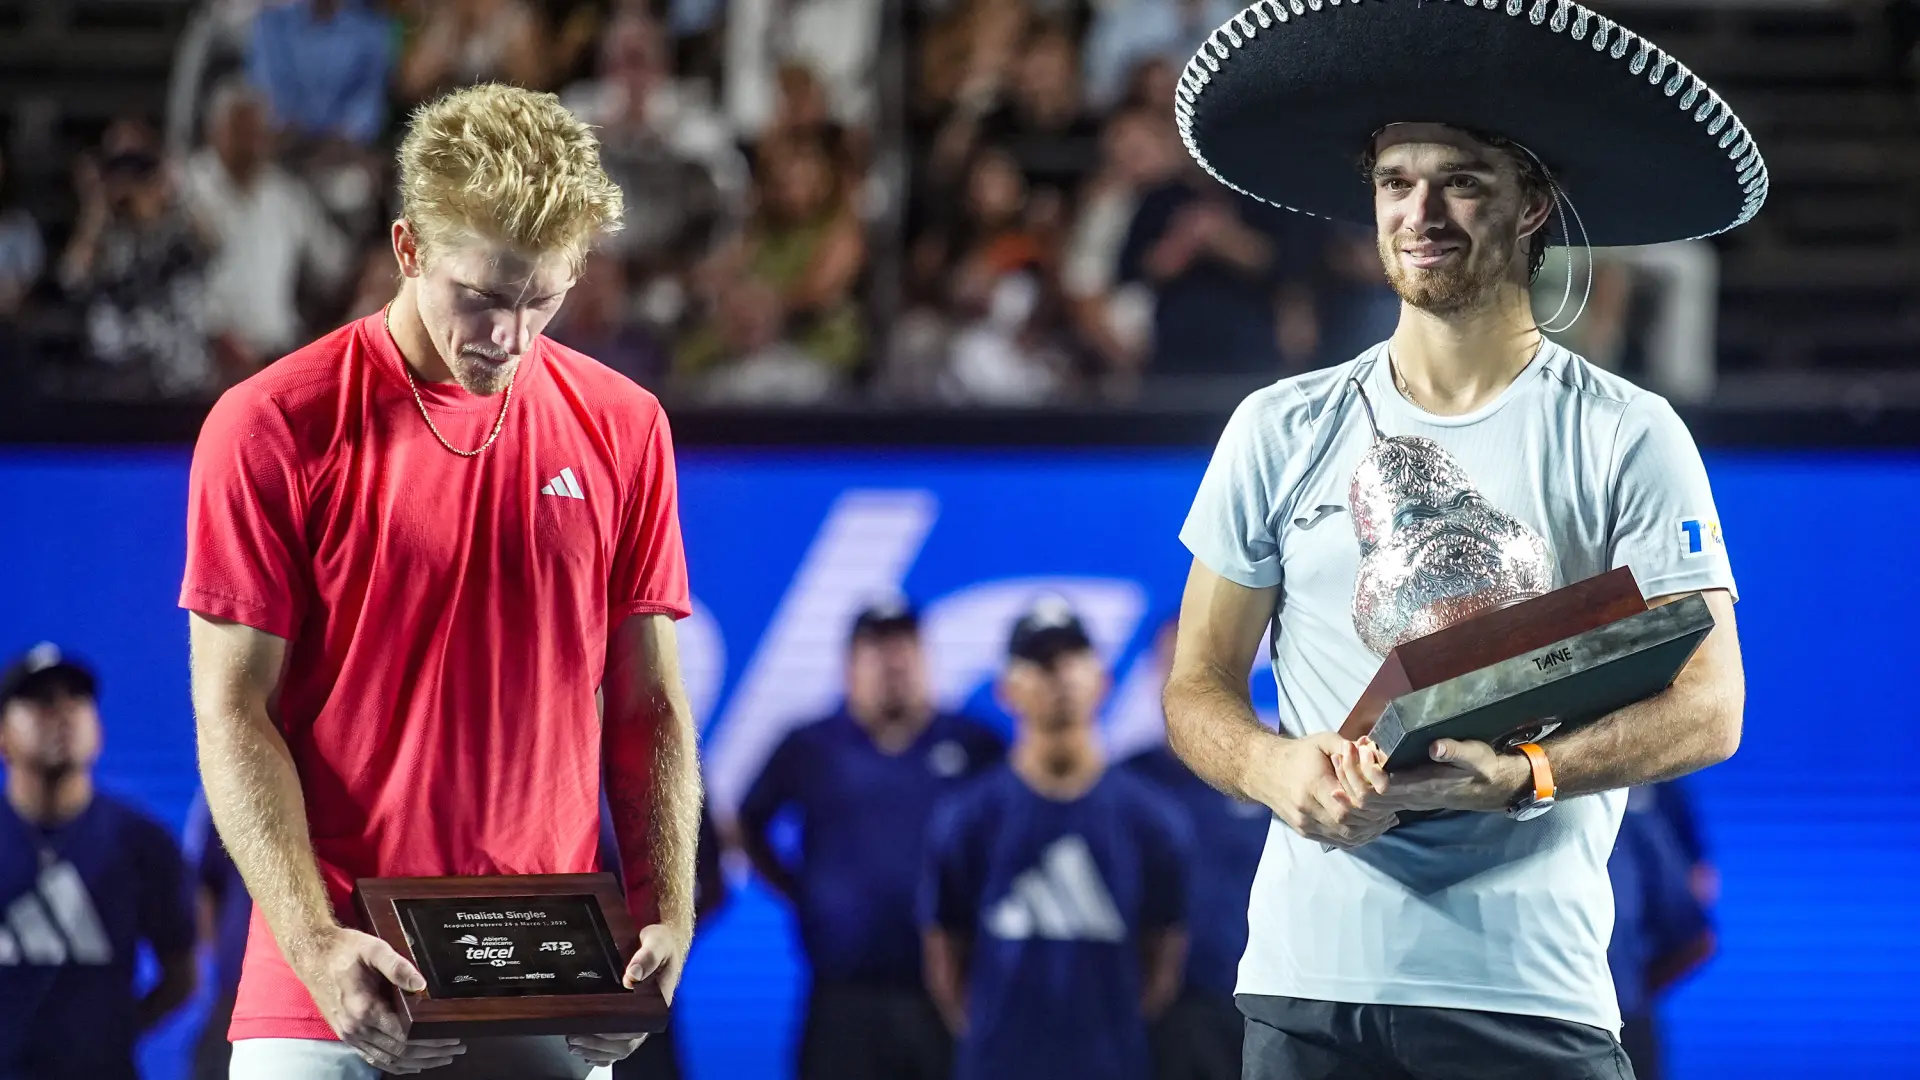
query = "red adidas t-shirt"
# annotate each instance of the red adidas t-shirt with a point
(447, 616)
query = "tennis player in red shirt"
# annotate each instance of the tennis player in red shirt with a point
(433, 564)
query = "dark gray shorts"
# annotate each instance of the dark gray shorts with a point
(1199, 1038)
(1297, 1039)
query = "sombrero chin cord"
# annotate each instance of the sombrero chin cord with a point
(1562, 205)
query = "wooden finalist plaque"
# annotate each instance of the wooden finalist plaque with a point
(535, 954)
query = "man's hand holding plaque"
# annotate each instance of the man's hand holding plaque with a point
(662, 956)
(1305, 789)
(352, 977)
(1463, 775)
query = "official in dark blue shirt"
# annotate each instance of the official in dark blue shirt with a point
(1055, 889)
(860, 786)
(1661, 930)
(85, 880)
(1200, 1036)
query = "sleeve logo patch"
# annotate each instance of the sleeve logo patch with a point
(1698, 536)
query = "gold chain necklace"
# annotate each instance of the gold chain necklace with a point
(386, 319)
(1400, 381)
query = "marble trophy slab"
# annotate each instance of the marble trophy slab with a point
(1521, 673)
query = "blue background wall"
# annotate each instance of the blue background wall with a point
(1816, 824)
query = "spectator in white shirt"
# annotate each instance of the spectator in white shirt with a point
(838, 40)
(1126, 33)
(267, 228)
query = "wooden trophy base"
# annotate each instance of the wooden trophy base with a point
(1548, 664)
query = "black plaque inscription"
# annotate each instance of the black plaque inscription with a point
(512, 946)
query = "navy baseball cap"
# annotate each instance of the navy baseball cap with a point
(1049, 630)
(44, 671)
(884, 618)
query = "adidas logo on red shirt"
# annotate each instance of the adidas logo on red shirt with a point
(564, 486)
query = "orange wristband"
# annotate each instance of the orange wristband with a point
(1543, 789)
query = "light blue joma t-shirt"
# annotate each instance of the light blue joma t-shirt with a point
(1473, 911)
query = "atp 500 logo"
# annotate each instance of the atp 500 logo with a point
(564, 948)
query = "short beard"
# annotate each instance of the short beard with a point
(1055, 723)
(892, 711)
(480, 377)
(1466, 285)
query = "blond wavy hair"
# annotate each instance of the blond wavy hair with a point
(509, 165)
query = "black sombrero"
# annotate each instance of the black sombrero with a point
(1281, 101)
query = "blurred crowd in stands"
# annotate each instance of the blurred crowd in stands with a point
(942, 202)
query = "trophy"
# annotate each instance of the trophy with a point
(1457, 598)
(534, 954)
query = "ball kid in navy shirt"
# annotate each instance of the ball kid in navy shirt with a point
(85, 880)
(1054, 890)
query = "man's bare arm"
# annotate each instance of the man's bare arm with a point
(758, 846)
(253, 793)
(1692, 724)
(1210, 720)
(1163, 965)
(944, 956)
(1212, 727)
(653, 776)
(179, 974)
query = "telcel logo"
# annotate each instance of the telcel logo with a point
(496, 955)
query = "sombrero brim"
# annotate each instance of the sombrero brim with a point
(1280, 102)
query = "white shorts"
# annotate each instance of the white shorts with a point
(526, 1058)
